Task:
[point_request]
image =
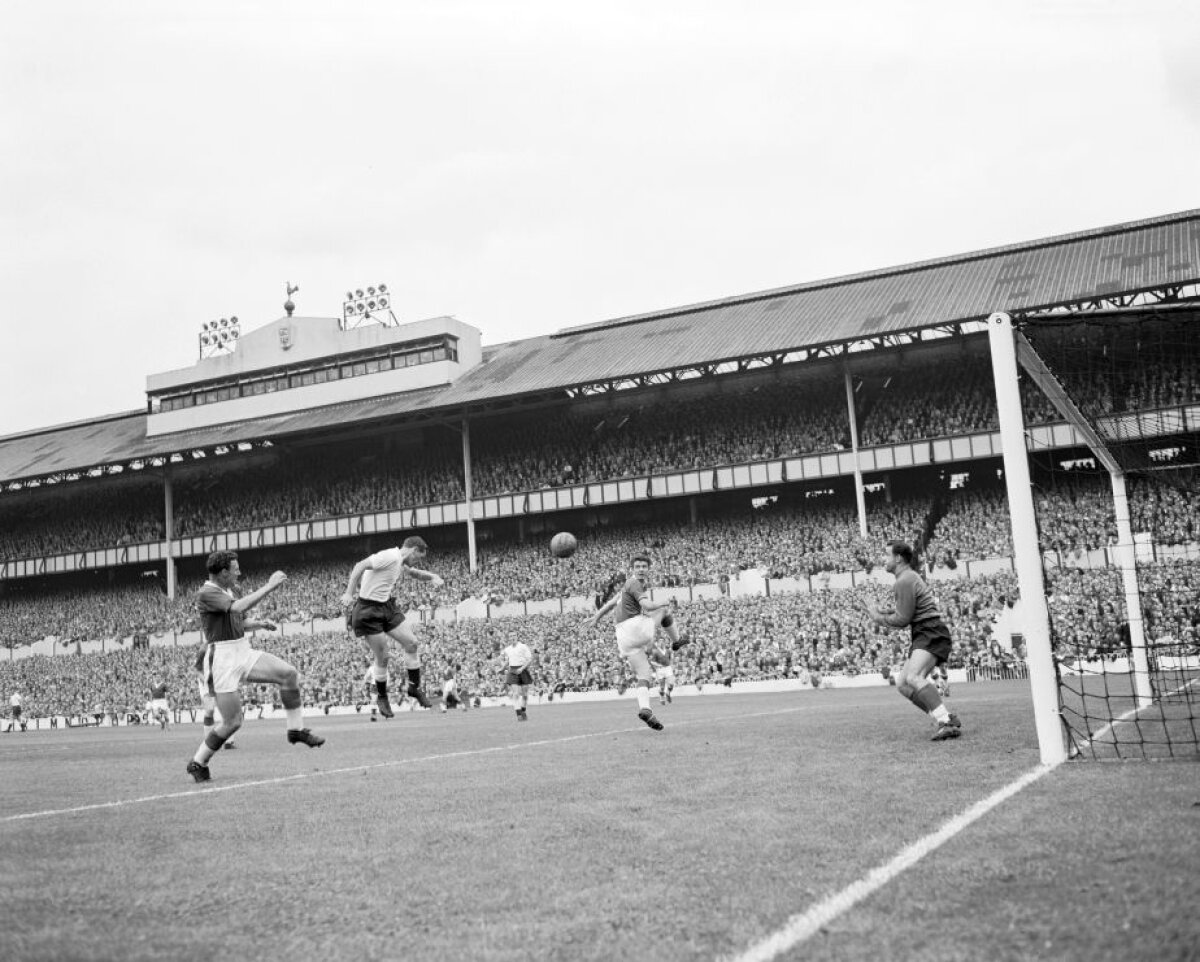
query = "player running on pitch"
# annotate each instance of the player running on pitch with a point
(664, 674)
(452, 696)
(375, 618)
(159, 707)
(228, 660)
(638, 619)
(916, 610)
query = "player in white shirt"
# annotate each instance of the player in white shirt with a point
(451, 696)
(375, 617)
(518, 657)
(16, 705)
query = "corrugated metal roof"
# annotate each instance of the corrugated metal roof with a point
(123, 438)
(1136, 256)
(1125, 258)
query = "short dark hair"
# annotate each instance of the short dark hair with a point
(415, 541)
(641, 557)
(218, 561)
(904, 550)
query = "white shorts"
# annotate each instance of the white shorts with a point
(636, 633)
(226, 665)
(449, 687)
(665, 673)
(159, 704)
(635, 641)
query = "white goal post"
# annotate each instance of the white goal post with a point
(1008, 349)
(1027, 556)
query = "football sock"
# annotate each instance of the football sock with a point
(381, 688)
(643, 697)
(941, 714)
(210, 746)
(290, 698)
(927, 699)
(295, 718)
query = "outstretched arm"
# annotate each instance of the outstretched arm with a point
(250, 600)
(420, 575)
(593, 620)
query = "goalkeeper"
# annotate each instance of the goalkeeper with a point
(916, 610)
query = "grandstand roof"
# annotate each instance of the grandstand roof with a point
(1101, 263)
(1083, 267)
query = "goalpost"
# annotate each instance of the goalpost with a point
(1121, 694)
(1027, 556)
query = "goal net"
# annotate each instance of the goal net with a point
(1101, 439)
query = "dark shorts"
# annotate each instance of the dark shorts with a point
(16, 711)
(933, 637)
(374, 618)
(521, 677)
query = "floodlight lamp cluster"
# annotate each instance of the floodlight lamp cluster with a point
(361, 305)
(219, 335)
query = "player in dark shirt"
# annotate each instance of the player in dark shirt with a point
(229, 661)
(160, 708)
(638, 619)
(916, 610)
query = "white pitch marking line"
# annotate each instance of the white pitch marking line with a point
(801, 927)
(1122, 718)
(395, 763)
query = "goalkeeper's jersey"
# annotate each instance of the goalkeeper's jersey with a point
(914, 601)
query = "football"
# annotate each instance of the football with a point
(563, 544)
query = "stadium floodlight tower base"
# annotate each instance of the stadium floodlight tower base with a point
(1026, 552)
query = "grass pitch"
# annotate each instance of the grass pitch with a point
(583, 835)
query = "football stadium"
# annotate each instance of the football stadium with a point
(1026, 419)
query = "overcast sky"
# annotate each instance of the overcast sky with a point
(528, 166)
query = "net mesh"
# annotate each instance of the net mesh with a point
(1129, 682)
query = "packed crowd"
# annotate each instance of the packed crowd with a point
(690, 427)
(731, 640)
(1087, 609)
(1112, 367)
(805, 635)
(797, 541)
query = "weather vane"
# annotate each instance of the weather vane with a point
(288, 305)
